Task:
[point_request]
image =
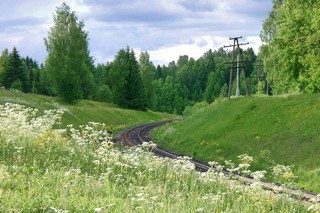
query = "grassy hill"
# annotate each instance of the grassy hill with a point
(274, 130)
(43, 169)
(85, 111)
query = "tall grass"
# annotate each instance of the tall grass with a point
(274, 130)
(81, 170)
(84, 111)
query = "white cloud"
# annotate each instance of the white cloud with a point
(195, 49)
(254, 42)
(164, 28)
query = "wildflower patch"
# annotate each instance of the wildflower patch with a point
(43, 169)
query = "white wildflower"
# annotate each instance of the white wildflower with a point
(200, 210)
(148, 146)
(98, 209)
(283, 172)
(258, 175)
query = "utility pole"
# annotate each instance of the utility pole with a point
(239, 64)
(238, 77)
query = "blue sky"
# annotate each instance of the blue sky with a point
(164, 28)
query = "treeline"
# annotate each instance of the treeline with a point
(18, 73)
(128, 81)
(137, 83)
(292, 51)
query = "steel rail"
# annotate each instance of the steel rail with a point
(137, 135)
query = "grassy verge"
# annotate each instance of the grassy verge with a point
(274, 130)
(43, 169)
(85, 111)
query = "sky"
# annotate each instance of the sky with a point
(164, 28)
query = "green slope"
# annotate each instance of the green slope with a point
(85, 111)
(275, 130)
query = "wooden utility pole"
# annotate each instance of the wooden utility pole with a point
(239, 63)
(238, 77)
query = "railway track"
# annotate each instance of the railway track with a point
(138, 135)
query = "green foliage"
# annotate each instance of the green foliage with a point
(125, 81)
(213, 87)
(291, 56)
(224, 91)
(269, 27)
(32, 73)
(13, 71)
(261, 85)
(189, 81)
(104, 94)
(3, 61)
(17, 85)
(171, 97)
(148, 71)
(45, 85)
(135, 91)
(69, 66)
(274, 130)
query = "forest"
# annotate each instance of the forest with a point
(290, 65)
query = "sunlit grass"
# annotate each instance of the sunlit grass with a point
(85, 111)
(275, 130)
(82, 170)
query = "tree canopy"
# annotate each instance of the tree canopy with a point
(125, 81)
(291, 54)
(69, 65)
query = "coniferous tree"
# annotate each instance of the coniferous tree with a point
(117, 78)
(32, 75)
(14, 76)
(125, 81)
(3, 61)
(69, 65)
(135, 93)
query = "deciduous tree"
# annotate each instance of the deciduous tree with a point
(69, 64)
(147, 70)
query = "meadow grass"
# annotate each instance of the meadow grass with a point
(274, 130)
(85, 111)
(44, 169)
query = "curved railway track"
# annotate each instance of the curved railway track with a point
(137, 135)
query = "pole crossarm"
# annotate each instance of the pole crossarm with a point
(231, 45)
(233, 38)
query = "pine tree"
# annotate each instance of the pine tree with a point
(117, 78)
(69, 65)
(125, 81)
(14, 76)
(135, 93)
(3, 61)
